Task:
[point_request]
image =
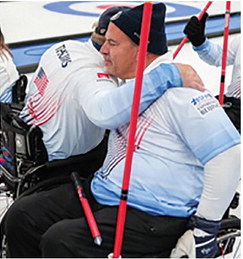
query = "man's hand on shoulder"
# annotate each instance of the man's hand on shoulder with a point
(190, 77)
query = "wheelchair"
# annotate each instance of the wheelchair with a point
(24, 159)
(21, 145)
(25, 169)
(24, 165)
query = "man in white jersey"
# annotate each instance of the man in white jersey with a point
(211, 53)
(159, 208)
(53, 102)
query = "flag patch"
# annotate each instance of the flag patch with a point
(41, 81)
(103, 75)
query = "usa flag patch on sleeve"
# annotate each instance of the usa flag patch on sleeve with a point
(103, 76)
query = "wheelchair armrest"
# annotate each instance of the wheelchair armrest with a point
(230, 222)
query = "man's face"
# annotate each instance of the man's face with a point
(120, 53)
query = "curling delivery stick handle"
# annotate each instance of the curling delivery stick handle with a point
(87, 210)
(185, 39)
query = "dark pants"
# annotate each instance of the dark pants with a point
(51, 224)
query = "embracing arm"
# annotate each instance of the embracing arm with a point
(111, 108)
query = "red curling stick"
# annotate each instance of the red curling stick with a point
(87, 210)
(146, 22)
(224, 54)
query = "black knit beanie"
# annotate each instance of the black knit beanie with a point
(129, 21)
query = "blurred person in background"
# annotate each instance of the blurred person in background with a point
(8, 71)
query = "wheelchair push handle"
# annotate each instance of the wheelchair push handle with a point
(86, 208)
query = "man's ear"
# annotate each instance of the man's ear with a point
(150, 57)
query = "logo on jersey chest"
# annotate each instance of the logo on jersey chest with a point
(205, 103)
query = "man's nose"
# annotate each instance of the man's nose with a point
(104, 49)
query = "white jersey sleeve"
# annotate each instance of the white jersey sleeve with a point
(211, 53)
(222, 175)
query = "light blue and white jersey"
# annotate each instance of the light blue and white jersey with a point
(176, 136)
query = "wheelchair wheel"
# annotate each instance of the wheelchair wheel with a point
(229, 238)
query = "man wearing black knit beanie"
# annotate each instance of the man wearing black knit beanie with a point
(163, 186)
(129, 22)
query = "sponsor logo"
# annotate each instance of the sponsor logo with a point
(103, 77)
(63, 55)
(205, 103)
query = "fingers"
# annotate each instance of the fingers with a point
(204, 18)
(198, 86)
(196, 81)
